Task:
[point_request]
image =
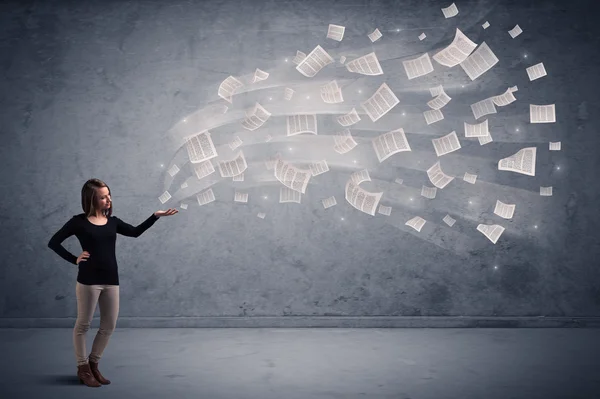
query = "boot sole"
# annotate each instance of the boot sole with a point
(91, 386)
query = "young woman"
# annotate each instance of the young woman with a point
(97, 278)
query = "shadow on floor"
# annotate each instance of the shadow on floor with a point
(59, 379)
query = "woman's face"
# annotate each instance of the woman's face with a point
(104, 200)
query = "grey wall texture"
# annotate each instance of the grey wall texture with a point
(111, 89)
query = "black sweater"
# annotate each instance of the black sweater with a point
(101, 266)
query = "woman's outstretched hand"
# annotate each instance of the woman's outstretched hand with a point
(168, 212)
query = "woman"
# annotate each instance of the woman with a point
(97, 278)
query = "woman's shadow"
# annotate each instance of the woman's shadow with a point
(59, 380)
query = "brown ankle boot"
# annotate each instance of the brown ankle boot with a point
(97, 375)
(86, 377)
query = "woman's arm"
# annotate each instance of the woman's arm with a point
(55, 242)
(128, 230)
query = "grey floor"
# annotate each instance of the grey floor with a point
(310, 363)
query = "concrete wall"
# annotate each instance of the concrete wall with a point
(109, 90)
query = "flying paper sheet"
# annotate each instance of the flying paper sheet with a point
(228, 87)
(235, 143)
(536, 71)
(385, 210)
(457, 52)
(259, 75)
(291, 176)
(288, 195)
(479, 62)
(437, 177)
(204, 169)
(318, 168)
(329, 202)
(314, 62)
(485, 139)
(503, 210)
(542, 113)
(504, 99)
(433, 116)
(360, 176)
(469, 178)
(375, 35)
(206, 197)
(365, 65)
(349, 119)
(331, 93)
(173, 170)
(449, 220)
(516, 31)
(483, 108)
(491, 231)
(416, 223)
(446, 144)
(297, 124)
(380, 103)
(233, 167)
(239, 177)
(335, 32)
(164, 197)
(344, 142)
(436, 91)
(440, 101)
(390, 143)
(200, 147)
(288, 93)
(361, 199)
(450, 11)
(428, 192)
(300, 56)
(256, 118)
(417, 67)
(523, 161)
(477, 130)
(240, 197)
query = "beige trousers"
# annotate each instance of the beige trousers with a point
(88, 296)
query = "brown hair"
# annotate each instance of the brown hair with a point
(89, 197)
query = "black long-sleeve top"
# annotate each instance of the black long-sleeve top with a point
(101, 266)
